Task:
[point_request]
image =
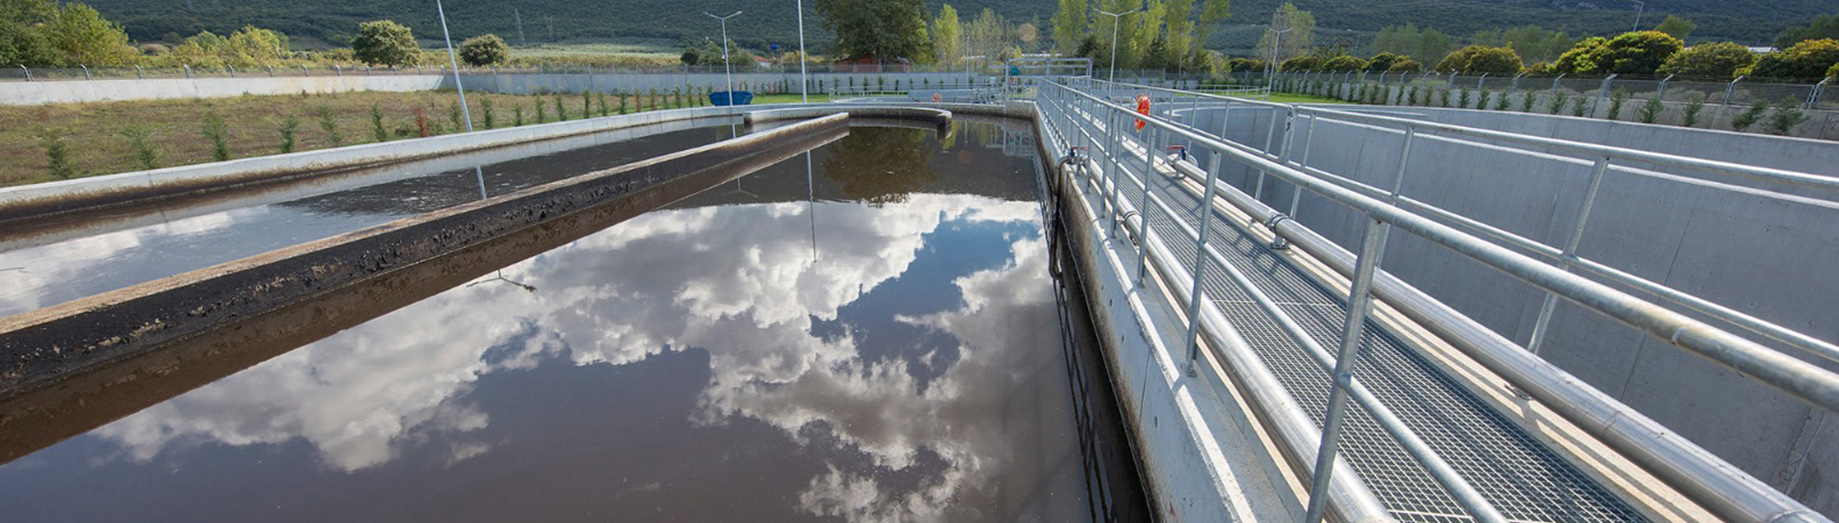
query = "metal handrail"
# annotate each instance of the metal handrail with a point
(1567, 256)
(1803, 380)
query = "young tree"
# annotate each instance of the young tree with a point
(384, 42)
(1676, 26)
(1808, 59)
(484, 50)
(1295, 42)
(879, 29)
(1535, 44)
(79, 35)
(1713, 60)
(1477, 59)
(1640, 52)
(1072, 22)
(948, 36)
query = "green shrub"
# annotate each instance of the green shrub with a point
(376, 124)
(587, 104)
(1481, 102)
(602, 99)
(218, 133)
(1526, 104)
(490, 119)
(561, 113)
(1650, 110)
(289, 126)
(542, 115)
(1693, 105)
(1786, 117)
(1462, 102)
(1616, 99)
(1750, 116)
(622, 103)
(1557, 102)
(57, 153)
(328, 123)
(140, 141)
(455, 117)
(1502, 103)
(1414, 96)
(1578, 107)
(517, 116)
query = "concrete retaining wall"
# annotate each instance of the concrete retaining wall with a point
(1769, 257)
(1822, 125)
(59, 92)
(757, 82)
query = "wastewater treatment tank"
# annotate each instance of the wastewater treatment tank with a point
(872, 331)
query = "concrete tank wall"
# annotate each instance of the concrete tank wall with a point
(759, 82)
(1772, 258)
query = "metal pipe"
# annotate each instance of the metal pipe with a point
(465, 112)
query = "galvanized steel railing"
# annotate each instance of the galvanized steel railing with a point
(1088, 119)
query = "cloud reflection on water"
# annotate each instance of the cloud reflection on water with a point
(740, 282)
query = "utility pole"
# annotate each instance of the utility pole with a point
(1639, 6)
(521, 42)
(454, 61)
(727, 68)
(1116, 19)
(1270, 67)
(804, 85)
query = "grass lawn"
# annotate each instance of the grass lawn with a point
(94, 133)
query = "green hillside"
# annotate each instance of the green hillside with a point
(671, 22)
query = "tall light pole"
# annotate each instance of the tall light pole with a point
(727, 68)
(1639, 6)
(1116, 18)
(804, 83)
(454, 61)
(1270, 67)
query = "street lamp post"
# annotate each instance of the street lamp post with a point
(1639, 6)
(1270, 67)
(804, 82)
(727, 68)
(454, 62)
(1116, 19)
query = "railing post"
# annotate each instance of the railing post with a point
(1289, 122)
(22, 67)
(1570, 252)
(1149, 171)
(1404, 157)
(85, 71)
(138, 74)
(1359, 300)
(1200, 267)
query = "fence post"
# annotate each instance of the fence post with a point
(1814, 97)
(188, 69)
(137, 72)
(85, 71)
(1661, 92)
(1481, 83)
(337, 70)
(1516, 81)
(22, 67)
(1731, 90)
(271, 71)
(304, 71)
(1359, 301)
(231, 69)
(1603, 92)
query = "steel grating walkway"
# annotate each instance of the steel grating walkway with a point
(1522, 478)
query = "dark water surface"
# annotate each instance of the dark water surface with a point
(88, 259)
(876, 338)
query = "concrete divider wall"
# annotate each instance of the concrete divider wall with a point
(1772, 258)
(1822, 125)
(39, 93)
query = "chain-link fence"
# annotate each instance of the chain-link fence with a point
(21, 73)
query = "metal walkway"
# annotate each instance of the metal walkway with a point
(1523, 479)
(1423, 445)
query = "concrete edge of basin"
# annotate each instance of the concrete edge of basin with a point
(41, 347)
